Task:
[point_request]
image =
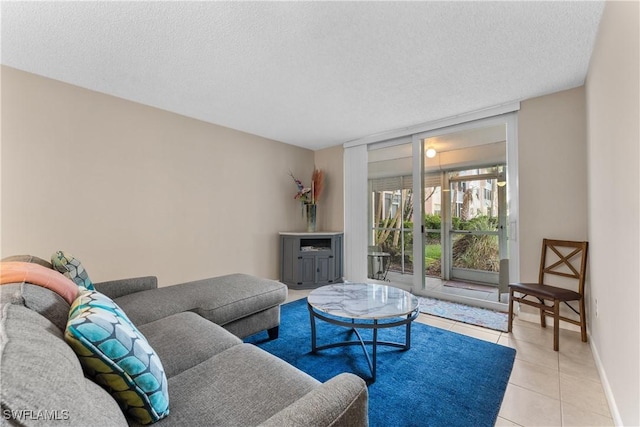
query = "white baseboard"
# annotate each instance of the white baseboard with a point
(615, 414)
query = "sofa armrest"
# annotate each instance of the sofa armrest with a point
(341, 401)
(118, 288)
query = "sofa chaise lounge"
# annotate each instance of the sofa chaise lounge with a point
(195, 328)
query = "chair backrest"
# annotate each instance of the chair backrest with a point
(564, 258)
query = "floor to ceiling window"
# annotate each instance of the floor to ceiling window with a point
(411, 229)
(463, 221)
(390, 212)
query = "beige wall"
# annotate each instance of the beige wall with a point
(613, 112)
(331, 207)
(552, 174)
(133, 190)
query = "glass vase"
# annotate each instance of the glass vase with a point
(311, 217)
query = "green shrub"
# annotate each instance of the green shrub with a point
(432, 222)
(478, 252)
(481, 222)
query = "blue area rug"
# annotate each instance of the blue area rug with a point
(445, 379)
(465, 313)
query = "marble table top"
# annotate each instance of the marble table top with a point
(363, 300)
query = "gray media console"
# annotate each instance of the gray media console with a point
(309, 260)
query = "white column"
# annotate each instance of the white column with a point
(355, 213)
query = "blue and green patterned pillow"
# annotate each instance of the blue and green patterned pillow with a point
(114, 353)
(71, 267)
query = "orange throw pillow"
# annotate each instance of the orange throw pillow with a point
(18, 272)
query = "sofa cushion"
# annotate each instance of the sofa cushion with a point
(71, 267)
(344, 400)
(41, 376)
(241, 386)
(39, 299)
(185, 339)
(221, 300)
(119, 287)
(116, 355)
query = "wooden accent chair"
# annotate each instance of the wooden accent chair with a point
(563, 258)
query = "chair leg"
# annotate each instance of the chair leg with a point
(556, 324)
(543, 316)
(510, 322)
(583, 320)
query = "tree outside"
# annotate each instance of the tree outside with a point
(474, 208)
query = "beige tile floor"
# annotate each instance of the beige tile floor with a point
(546, 388)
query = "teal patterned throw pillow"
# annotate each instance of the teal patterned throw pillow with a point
(114, 353)
(71, 267)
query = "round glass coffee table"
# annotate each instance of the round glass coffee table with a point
(363, 306)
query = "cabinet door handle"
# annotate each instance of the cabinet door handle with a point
(299, 257)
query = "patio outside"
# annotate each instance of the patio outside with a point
(473, 211)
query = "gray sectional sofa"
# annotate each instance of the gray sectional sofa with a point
(196, 329)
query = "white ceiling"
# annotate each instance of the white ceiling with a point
(312, 74)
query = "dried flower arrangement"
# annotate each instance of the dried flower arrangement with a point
(310, 195)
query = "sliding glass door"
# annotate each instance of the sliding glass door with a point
(433, 198)
(477, 233)
(464, 213)
(391, 201)
(439, 211)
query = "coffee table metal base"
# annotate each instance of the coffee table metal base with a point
(354, 326)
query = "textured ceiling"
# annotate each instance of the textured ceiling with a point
(312, 74)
